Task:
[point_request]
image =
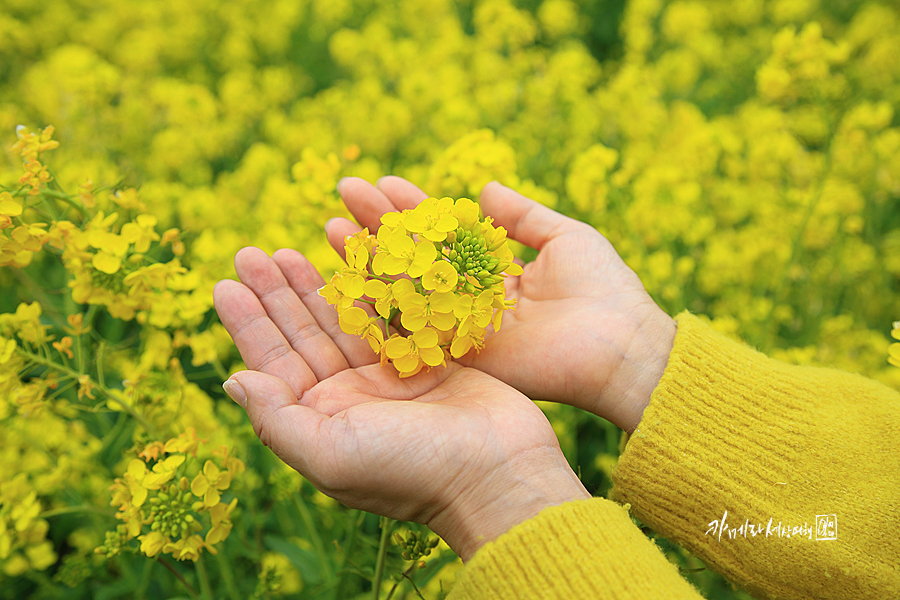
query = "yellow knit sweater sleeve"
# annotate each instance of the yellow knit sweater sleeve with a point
(583, 549)
(748, 462)
(785, 479)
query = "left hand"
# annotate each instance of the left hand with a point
(452, 448)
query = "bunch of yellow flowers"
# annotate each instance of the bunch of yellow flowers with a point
(450, 265)
(162, 507)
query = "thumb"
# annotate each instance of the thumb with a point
(527, 221)
(288, 428)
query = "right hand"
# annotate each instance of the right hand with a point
(585, 332)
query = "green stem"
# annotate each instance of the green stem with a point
(100, 377)
(220, 369)
(413, 584)
(397, 584)
(38, 293)
(190, 590)
(49, 208)
(67, 199)
(227, 575)
(79, 352)
(205, 591)
(314, 536)
(349, 546)
(98, 386)
(141, 592)
(386, 526)
(112, 433)
(82, 508)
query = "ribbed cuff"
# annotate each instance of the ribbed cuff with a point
(581, 549)
(731, 433)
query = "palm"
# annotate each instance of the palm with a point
(405, 443)
(406, 448)
(576, 287)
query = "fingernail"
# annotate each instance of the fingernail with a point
(338, 186)
(236, 392)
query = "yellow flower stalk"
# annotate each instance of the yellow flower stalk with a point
(435, 279)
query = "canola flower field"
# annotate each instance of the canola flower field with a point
(742, 155)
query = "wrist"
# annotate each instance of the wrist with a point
(505, 497)
(628, 390)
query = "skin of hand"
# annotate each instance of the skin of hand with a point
(584, 332)
(452, 448)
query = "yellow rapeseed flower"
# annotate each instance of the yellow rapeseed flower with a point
(411, 354)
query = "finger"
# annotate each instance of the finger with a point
(402, 193)
(292, 318)
(305, 280)
(511, 286)
(364, 201)
(527, 221)
(289, 428)
(258, 339)
(337, 230)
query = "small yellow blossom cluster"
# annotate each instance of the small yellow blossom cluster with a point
(25, 397)
(894, 349)
(441, 267)
(23, 543)
(112, 268)
(163, 507)
(30, 146)
(19, 240)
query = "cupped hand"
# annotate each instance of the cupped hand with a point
(452, 448)
(585, 331)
